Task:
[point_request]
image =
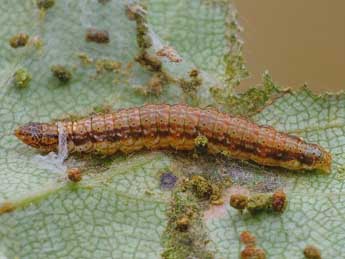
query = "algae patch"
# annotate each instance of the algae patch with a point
(61, 73)
(251, 101)
(185, 235)
(259, 202)
(201, 143)
(22, 78)
(85, 59)
(45, 4)
(107, 65)
(19, 40)
(202, 189)
(190, 87)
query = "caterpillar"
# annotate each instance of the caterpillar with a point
(176, 127)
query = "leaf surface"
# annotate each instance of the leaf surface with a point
(119, 209)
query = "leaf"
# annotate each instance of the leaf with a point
(119, 209)
(211, 41)
(251, 101)
(114, 219)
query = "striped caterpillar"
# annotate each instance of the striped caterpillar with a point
(177, 127)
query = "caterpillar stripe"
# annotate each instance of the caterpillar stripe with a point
(176, 127)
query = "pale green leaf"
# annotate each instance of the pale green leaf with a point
(119, 209)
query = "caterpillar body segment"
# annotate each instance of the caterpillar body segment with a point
(176, 127)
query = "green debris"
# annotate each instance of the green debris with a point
(149, 192)
(19, 40)
(251, 101)
(22, 78)
(159, 77)
(84, 58)
(235, 69)
(156, 84)
(216, 196)
(150, 62)
(36, 42)
(191, 86)
(259, 202)
(340, 173)
(226, 181)
(45, 4)
(225, 153)
(158, 80)
(201, 187)
(61, 73)
(175, 243)
(137, 13)
(204, 189)
(107, 65)
(143, 38)
(103, 65)
(185, 235)
(201, 143)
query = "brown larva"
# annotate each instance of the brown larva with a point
(177, 126)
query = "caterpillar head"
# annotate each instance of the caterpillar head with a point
(320, 158)
(324, 163)
(41, 136)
